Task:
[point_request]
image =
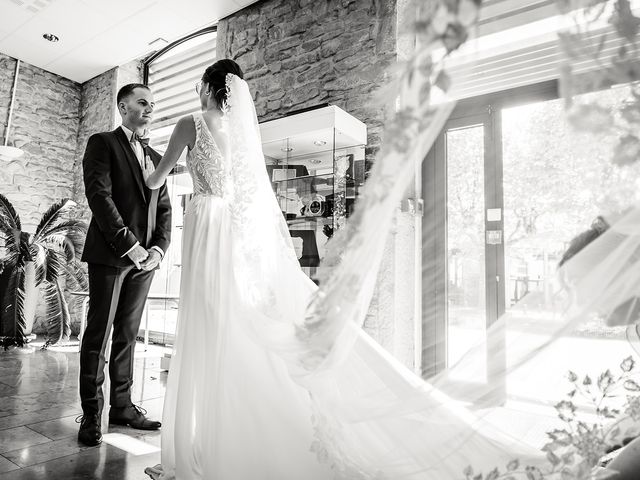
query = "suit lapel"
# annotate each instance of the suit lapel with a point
(131, 160)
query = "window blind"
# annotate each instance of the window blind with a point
(516, 44)
(172, 77)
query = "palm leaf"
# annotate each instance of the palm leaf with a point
(73, 231)
(76, 276)
(66, 227)
(39, 255)
(11, 252)
(76, 281)
(25, 246)
(9, 213)
(69, 249)
(10, 236)
(70, 224)
(51, 216)
(55, 265)
(6, 227)
(67, 244)
(58, 319)
(12, 321)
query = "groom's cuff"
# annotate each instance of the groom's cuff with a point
(130, 250)
(159, 250)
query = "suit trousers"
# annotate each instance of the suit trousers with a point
(117, 297)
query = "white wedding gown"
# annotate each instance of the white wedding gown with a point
(231, 409)
(236, 409)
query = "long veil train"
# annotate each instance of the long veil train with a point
(372, 418)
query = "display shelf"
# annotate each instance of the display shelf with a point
(315, 161)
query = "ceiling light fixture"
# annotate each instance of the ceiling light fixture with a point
(287, 149)
(315, 161)
(7, 151)
(50, 37)
(319, 143)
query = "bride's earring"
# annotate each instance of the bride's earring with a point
(207, 93)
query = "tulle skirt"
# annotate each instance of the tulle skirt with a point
(231, 410)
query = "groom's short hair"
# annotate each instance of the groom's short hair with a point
(128, 89)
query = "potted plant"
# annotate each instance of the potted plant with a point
(38, 262)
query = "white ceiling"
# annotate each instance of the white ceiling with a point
(97, 35)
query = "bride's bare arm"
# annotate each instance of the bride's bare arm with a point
(183, 135)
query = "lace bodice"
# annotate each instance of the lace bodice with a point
(205, 161)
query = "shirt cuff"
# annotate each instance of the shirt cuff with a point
(131, 250)
(159, 250)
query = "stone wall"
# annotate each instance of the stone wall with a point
(46, 118)
(45, 126)
(301, 53)
(96, 115)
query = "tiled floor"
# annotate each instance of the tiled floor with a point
(39, 403)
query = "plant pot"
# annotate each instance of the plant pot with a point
(627, 462)
(32, 295)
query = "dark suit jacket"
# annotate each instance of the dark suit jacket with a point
(124, 210)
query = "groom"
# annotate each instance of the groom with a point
(128, 235)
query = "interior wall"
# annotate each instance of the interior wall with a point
(297, 54)
(45, 125)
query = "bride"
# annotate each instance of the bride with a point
(269, 379)
(255, 389)
(231, 409)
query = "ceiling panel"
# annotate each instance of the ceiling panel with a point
(199, 12)
(119, 8)
(97, 35)
(34, 52)
(80, 64)
(13, 16)
(79, 23)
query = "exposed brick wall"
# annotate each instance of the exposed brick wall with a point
(96, 115)
(301, 53)
(46, 119)
(45, 126)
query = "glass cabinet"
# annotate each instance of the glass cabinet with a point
(315, 160)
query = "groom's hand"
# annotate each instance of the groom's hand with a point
(152, 261)
(138, 255)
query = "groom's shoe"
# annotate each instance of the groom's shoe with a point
(133, 416)
(90, 433)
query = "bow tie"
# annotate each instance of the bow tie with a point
(144, 141)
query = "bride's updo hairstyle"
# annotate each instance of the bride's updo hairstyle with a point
(216, 76)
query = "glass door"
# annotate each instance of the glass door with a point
(506, 187)
(466, 258)
(463, 247)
